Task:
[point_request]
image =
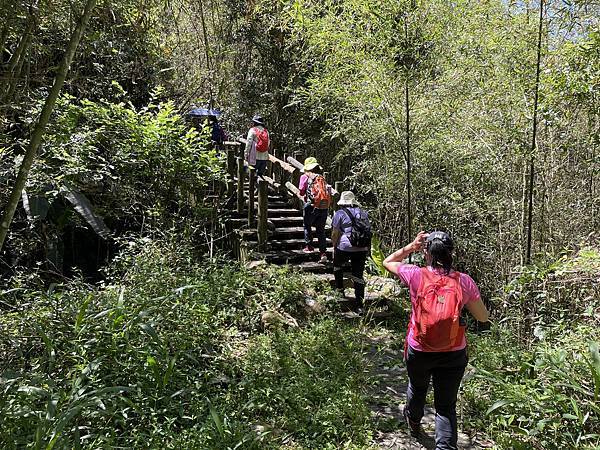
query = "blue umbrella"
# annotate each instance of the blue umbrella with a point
(203, 112)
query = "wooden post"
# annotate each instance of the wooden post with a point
(240, 185)
(277, 170)
(242, 150)
(262, 214)
(285, 176)
(296, 182)
(338, 187)
(251, 184)
(299, 155)
(231, 168)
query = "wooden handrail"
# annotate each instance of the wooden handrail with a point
(285, 166)
(294, 162)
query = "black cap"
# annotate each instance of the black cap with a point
(441, 236)
(257, 119)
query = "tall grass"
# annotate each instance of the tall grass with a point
(171, 351)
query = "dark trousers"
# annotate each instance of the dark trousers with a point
(260, 166)
(357, 261)
(317, 218)
(446, 370)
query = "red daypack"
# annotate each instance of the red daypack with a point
(318, 192)
(262, 139)
(436, 316)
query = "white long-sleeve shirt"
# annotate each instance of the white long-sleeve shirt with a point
(250, 153)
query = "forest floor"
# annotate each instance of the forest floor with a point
(387, 383)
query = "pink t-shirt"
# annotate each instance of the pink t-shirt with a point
(303, 184)
(410, 275)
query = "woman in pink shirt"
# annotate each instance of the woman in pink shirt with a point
(435, 350)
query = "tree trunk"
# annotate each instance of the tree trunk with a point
(38, 132)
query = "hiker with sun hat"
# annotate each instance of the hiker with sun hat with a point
(316, 194)
(258, 144)
(351, 237)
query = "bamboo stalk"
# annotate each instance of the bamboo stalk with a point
(534, 136)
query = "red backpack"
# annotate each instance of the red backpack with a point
(436, 316)
(262, 139)
(318, 192)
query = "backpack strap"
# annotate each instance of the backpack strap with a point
(310, 182)
(350, 216)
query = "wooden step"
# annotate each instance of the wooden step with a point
(279, 205)
(287, 221)
(298, 244)
(274, 212)
(315, 267)
(296, 232)
(292, 256)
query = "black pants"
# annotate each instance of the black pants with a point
(446, 369)
(317, 218)
(357, 261)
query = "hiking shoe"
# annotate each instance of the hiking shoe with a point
(308, 249)
(323, 259)
(414, 427)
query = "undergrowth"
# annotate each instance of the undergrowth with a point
(171, 353)
(536, 377)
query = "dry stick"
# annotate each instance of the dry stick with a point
(533, 137)
(38, 132)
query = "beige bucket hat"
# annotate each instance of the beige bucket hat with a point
(347, 198)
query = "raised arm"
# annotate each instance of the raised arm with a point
(393, 261)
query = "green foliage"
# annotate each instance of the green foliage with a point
(144, 164)
(169, 353)
(536, 381)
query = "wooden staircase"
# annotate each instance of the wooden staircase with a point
(267, 223)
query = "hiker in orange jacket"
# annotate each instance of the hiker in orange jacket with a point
(435, 346)
(315, 192)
